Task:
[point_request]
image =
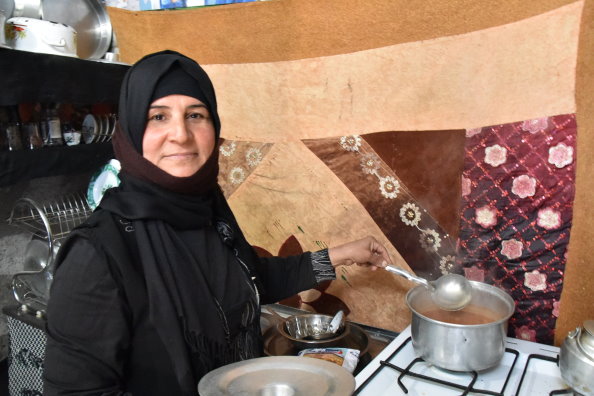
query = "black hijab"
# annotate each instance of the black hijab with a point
(187, 316)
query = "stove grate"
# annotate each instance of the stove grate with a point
(554, 360)
(408, 372)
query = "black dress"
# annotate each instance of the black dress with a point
(100, 338)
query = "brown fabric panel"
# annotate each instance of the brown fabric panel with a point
(577, 298)
(430, 164)
(296, 29)
(385, 208)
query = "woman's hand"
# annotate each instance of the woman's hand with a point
(366, 252)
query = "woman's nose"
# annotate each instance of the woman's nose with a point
(179, 131)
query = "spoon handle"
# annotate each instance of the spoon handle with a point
(409, 276)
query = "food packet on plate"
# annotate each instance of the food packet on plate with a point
(344, 357)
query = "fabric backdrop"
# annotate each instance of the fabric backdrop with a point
(455, 132)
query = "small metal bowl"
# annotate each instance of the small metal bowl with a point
(308, 331)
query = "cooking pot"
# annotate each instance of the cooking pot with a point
(28, 8)
(2, 36)
(472, 339)
(36, 35)
(576, 359)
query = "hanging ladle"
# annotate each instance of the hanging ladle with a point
(450, 292)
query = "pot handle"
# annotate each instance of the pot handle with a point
(61, 42)
(409, 276)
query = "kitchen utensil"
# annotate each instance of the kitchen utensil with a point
(28, 9)
(449, 341)
(2, 23)
(277, 343)
(276, 315)
(278, 375)
(89, 18)
(8, 7)
(37, 255)
(89, 129)
(311, 326)
(35, 35)
(50, 222)
(336, 322)
(451, 292)
(308, 342)
(576, 359)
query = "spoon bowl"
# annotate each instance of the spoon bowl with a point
(450, 292)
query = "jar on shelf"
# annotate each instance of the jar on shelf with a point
(31, 135)
(51, 126)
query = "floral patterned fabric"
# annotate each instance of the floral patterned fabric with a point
(517, 196)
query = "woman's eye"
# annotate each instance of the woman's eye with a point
(196, 115)
(157, 117)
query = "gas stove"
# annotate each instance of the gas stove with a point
(527, 368)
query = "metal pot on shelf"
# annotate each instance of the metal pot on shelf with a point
(2, 23)
(472, 339)
(576, 359)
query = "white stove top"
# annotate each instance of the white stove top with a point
(542, 375)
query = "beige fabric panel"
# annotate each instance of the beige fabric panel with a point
(509, 73)
(279, 30)
(577, 299)
(292, 192)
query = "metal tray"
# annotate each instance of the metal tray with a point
(90, 20)
(278, 375)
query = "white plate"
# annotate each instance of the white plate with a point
(100, 129)
(278, 375)
(105, 129)
(104, 179)
(90, 128)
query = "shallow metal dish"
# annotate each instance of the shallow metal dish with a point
(311, 326)
(303, 343)
(278, 375)
(90, 20)
(277, 344)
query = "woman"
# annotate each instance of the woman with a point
(159, 286)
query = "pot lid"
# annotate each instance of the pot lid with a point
(90, 20)
(278, 375)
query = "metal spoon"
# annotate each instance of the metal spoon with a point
(335, 322)
(450, 292)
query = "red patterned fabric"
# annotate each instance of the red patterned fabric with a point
(517, 196)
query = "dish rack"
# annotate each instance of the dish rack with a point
(50, 222)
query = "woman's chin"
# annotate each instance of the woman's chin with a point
(182, 171)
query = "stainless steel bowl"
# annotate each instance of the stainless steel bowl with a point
(308, 331)
(312, 326)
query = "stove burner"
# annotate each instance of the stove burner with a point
(465, 388)
(564, 392)
(554, 360)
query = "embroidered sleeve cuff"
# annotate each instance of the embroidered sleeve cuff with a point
(322, 267)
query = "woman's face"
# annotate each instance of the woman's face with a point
(179, 135)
